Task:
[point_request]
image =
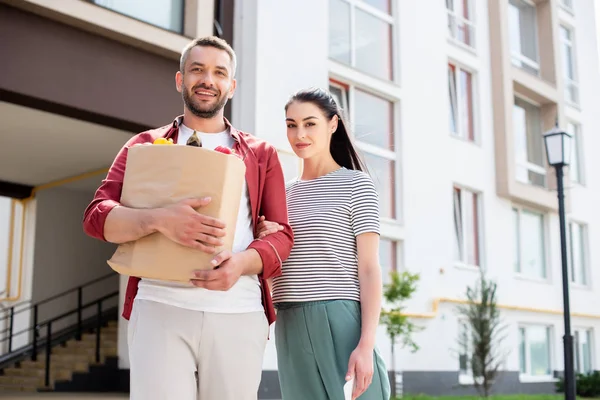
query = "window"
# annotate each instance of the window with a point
(529, 143)
(522, 25)
(529, 256)
(577, 253)
(167, 14)
(360, 35)
(388, 256)
(466, 227)
(460, 93)
(568, 58)
(583, 350)
(461, 26)
(576, 166)
(534, 351)
(568, 4)
(373, 127)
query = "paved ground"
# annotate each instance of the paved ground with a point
(63, 396)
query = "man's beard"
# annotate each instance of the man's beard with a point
(196, 109)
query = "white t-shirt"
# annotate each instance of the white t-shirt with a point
(245, 295)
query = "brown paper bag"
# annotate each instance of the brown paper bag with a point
(159, 175)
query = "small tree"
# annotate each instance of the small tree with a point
(399, 327)
(486, 334)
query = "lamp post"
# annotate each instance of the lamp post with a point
(558, 151)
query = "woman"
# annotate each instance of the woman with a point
(328, 298)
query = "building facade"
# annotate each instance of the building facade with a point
(447, 102)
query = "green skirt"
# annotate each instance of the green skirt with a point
(314, 341)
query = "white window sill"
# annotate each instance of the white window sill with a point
(524, 378)
(567, 9)
(458, 136)
(467, 267)
(462, 45)
(466, 379)
(580, 286)
(522, 277)
(575, 106)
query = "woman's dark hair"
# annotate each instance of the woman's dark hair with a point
(341, 146)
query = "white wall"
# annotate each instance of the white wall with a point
(65, 257)
(282, 47)
(277, 56)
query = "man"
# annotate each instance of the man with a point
(205, 339)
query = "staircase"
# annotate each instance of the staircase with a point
(66, 359)
(54, 361)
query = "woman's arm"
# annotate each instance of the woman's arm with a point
(369, 277)
(360, 365)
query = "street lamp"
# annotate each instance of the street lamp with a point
(558, 153)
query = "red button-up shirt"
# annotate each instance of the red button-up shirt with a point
(266, 190)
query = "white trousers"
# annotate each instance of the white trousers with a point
(179, 354)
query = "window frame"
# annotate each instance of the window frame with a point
(589, 332)
(458, 68)
(373, 11)
(578, 149)
(374, 150)
(180, 32)
(584, 252)
(395, 258)
(527, 376)
(518, 56)
(568, 8)
(531, 167)
(456, 19)
(478, 236)
(545, 252)
(570, 82)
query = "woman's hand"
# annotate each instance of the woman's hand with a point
(265, 227)
(360, 367)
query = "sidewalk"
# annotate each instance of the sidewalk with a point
(64, 396)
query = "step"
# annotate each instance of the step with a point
(15, 388)
(55, 373)
(88, 351)
(80, 366)
(104, 342)
(29, 381)
(110, 336)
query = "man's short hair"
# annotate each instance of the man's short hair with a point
(209, 41)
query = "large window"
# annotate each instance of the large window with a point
(360, 35)
(461, 25)
(372, 120)
(460, 96)
(467, 248)
(576, 172)
(388, 256)
(167, 14)
(522, 26)
(529, 143)
(583, 351)
(534, 351)
(529, 257)
(568, 64)
(577, 253)
(567, 4)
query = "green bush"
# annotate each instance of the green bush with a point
(587, 385)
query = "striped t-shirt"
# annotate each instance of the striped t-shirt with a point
(326, 214)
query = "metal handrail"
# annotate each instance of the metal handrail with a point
(57, 296)
(49, 323)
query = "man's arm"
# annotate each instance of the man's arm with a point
(263, 256)
(106, 219)
(108, 195)
(274, 248)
